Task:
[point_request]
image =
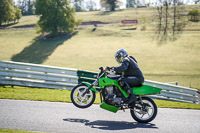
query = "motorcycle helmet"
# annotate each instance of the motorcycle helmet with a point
(120, 55)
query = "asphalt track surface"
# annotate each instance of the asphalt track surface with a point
(66, 118)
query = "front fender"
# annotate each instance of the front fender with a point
(88, 84)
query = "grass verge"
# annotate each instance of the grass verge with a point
(15, 131)
(54, 95)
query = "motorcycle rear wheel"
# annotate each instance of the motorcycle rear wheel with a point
(146, 112)
(82, 101)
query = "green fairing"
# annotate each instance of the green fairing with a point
(146, 90)
(109, 107)
(88, 84)
(103, 82)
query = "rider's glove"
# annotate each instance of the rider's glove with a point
(108, 68)
(112, 69)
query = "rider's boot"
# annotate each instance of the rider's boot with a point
(132, 98)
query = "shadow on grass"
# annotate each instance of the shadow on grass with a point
(109, 12)
(40, 49)
(194, 20)
(130, 29)
(7, 25)
(163, 38)
(164, 34)
(112, 125)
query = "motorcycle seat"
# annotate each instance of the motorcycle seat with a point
(113, 77)
(140, 85)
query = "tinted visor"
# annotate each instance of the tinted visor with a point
(118, 58)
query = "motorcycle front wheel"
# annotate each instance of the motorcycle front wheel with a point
(145, 112)
(80, 100)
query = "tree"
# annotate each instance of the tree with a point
(91, 5)
(178, 15)
(196, 1)
(30, 7)
(160, 16)
(26, 6)
(140, 3)
(77, 5)
(18, 14)
(22, 5)
(56, 17)
(166, 15)
(194, 13)
(130, 3)
(110, 4)
(171, 18)
(6, 11)
(11, 15)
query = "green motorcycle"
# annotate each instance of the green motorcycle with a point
(113, 97)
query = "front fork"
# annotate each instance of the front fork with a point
(87, 90)
(90, 87)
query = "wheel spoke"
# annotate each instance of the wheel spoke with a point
(148, 113)
(82, 99)
(150, 108)
(138, 112)
(79, 92)
(77, 97)
(142, 115)
(86, 98)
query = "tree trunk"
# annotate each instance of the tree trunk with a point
(112, 9)
(175, 11)
(112, 5)
(160, 11)
(166, 18)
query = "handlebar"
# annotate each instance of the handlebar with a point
(109, 70)
(106, 70)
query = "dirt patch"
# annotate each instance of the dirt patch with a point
(93, 23)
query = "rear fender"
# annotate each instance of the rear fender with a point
(88, 84)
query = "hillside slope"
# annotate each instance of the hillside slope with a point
(90, 47)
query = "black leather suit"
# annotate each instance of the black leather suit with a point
(130, 72)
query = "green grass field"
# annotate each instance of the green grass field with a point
(89, 48)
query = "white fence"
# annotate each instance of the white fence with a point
(33, 75)
(174, 92)
(42, 76)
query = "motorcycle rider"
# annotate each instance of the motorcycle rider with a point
(131, 75)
